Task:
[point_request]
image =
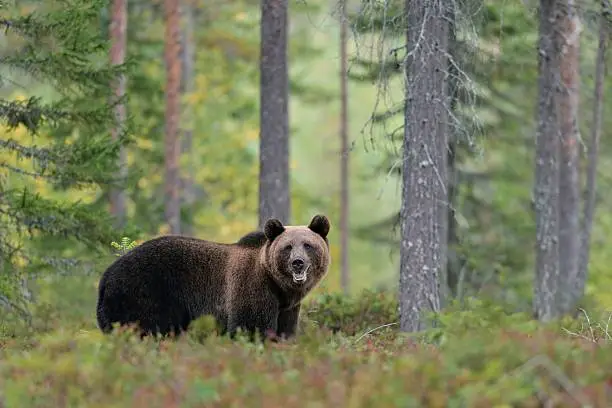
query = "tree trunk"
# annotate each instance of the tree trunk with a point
(546, 188)
(453, 264)
(118, 38)
(589, 201)
(569, 188)
(425, 162)
(274, 198)
(449, 277)
(188, 57)
(344, 156)
(172, 55)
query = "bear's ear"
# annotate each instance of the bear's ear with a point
(273, 229)
(320, 225)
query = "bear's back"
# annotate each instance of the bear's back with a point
(253, 240)
(172, 274)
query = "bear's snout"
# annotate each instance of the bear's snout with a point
(299, 268)
(298, 264)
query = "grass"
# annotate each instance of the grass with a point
(349, 353)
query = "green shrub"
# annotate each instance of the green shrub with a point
(124, 246)
(479, 355)
(478, 315)
(351, 315)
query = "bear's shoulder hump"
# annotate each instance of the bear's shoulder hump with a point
(255, 239)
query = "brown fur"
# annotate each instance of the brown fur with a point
(165, 283)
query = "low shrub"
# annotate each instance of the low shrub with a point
(351, 315)
(478, 355)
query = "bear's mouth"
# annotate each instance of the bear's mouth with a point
(299, 277)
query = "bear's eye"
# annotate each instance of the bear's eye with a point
(288, 248)
(307, 246)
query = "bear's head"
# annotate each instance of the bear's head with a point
(297, 256)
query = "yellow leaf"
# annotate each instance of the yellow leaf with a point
(144, 143)
(240, 16)
(195, 98)
(143, 183)
(251, 135)
(20, 261)
(201, 81)
(19, 97)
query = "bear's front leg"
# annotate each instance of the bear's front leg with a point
(252, 320)
(288, 321)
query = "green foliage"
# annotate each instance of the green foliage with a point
(476, 315)
(202, 328)
(56, 151)
(490, 357)
(353, 315)
(388, 17)
(124, 246)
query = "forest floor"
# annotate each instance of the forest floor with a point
(349, 353)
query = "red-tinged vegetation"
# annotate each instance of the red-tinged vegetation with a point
(478, 356)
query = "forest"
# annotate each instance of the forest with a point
(458, 149)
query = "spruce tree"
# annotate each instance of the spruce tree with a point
(56, 58)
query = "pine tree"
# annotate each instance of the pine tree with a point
(59, 46)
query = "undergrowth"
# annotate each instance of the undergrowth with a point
(349, 353)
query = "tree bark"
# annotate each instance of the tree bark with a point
(118, 38)
(449, 277)
(172, 55)
(344, 157)
(274, 197)
(546, 188)
(424, 172)
(188, 57)
(593, 152)
(568, 33)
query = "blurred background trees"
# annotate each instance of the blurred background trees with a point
(191, 162)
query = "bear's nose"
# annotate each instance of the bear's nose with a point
(297, 263)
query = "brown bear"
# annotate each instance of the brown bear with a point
(255, 284)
